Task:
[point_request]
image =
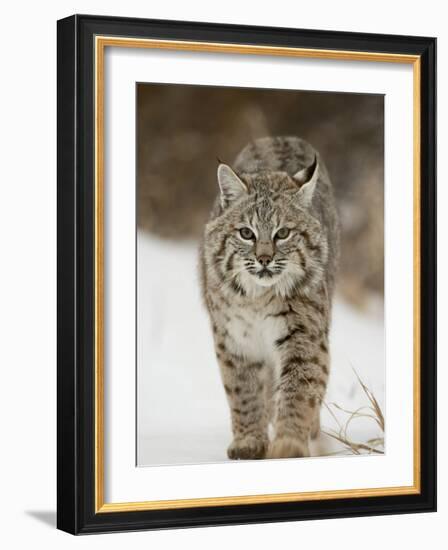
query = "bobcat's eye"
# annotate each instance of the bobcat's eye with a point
(282, 233)
(246, 233)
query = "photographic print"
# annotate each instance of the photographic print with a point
(246, 274)
(260, 274)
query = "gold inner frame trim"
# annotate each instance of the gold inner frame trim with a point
(101, 42)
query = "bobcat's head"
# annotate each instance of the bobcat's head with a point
(267, 233)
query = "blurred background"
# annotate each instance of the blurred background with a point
(183, 129)
(182, 414)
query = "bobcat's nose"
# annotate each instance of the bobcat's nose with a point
(264, 259)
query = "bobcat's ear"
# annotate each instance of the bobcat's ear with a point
(307, 178)
(230, 185)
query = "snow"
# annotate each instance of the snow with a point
(182, 412)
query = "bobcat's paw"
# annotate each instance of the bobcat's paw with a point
(287, 447)
(247, 448)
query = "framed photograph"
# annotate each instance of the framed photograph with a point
(246, 274)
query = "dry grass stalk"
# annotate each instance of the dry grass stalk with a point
(372, 411)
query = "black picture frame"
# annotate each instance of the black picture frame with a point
(76, 301)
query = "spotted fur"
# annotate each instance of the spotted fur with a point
(269, 296)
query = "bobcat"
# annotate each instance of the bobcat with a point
(269, 258)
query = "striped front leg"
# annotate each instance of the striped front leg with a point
(244, 386)
(299, 395)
